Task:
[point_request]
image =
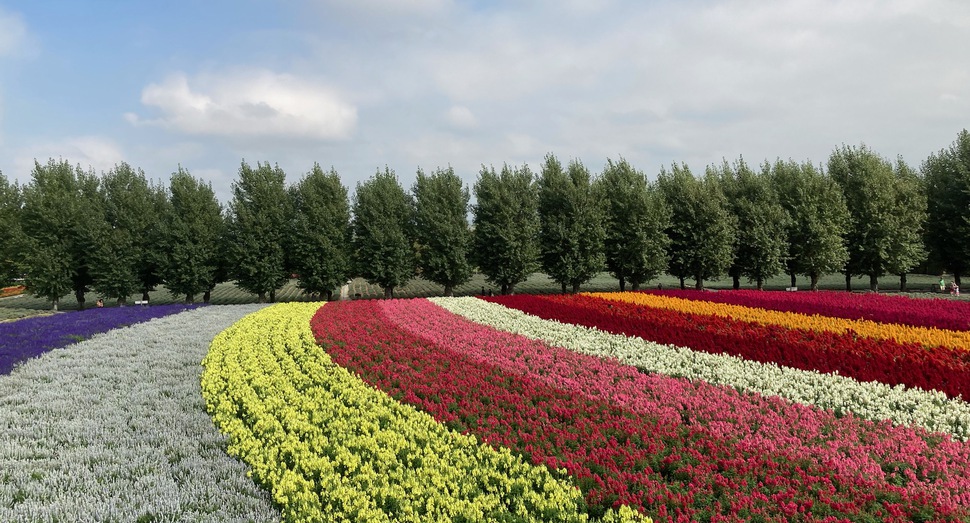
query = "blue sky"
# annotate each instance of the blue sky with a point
(358, 85)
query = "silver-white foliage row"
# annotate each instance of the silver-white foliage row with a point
(931, 410)
(114, 429)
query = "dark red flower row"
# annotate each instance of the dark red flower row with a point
(916, 312)
(864, 359)
(671, 465)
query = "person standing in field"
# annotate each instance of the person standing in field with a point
(942, 284)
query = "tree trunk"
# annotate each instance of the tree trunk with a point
(814, 277)
(761, 284)
(848, 282)
(682, 284)
(699, 283)
(449, 290)
(329, 294)
(207, 296)
(956, 278)
(261, 297)
(793, 279)
(389, 292)
(144, 295)
(79, 295)
(737, 281)
(511, 289)
(635, 286)
(189, 298)
(272, 296)
(873, 283)
(505, 289)
(575, 288)
(563, 284)
(902, 282)
(622, 285)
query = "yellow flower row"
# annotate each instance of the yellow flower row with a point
(331, 448)
(791, 320)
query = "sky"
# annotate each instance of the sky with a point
(360, 85)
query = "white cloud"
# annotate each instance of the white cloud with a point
(388, 7)
(410, 83)
(461, 117)
(90, 152)
(700, 80)
(524, 145)
(254, 103)
(13, 43)
(13, 33)
(387, 17)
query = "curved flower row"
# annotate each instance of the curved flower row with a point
(864, 359)
(917, 312)
(875, 401)
(929, 337)
(331, 448)
(30, 337)
(674, 448)
(13, 290)
(114, 430)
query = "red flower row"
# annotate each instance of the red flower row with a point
(864, 359)
(678, 450)
(916, 312)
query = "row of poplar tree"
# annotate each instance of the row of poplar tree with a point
(69, 230)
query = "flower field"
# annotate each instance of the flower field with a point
(331, 448)
(869, 354)
(29, 337)
(667, 405)
(14, 290)
(114, 429)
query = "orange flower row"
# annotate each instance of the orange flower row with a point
(791, 320)
(12, 291)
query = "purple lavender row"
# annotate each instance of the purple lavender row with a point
(31, 337)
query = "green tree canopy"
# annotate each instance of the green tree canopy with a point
(882, 226)
(947, 184)
(818, 219)
(259, 214)
(907, 249)
(571, 227)
(636, 217)
(10, 247)
(192, 229)
(127, 257)
(506, 223)
(383, 232)
(702, 229)
(321, 235)
(61, 219)
(442, 234)
(760, 244)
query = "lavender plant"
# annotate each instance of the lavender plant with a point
(31, 337)
(115, 429)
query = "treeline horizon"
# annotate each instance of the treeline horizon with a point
(119, 234)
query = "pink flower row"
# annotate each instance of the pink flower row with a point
(854, 451)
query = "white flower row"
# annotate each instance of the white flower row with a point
(932, 410)
(114, 429)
